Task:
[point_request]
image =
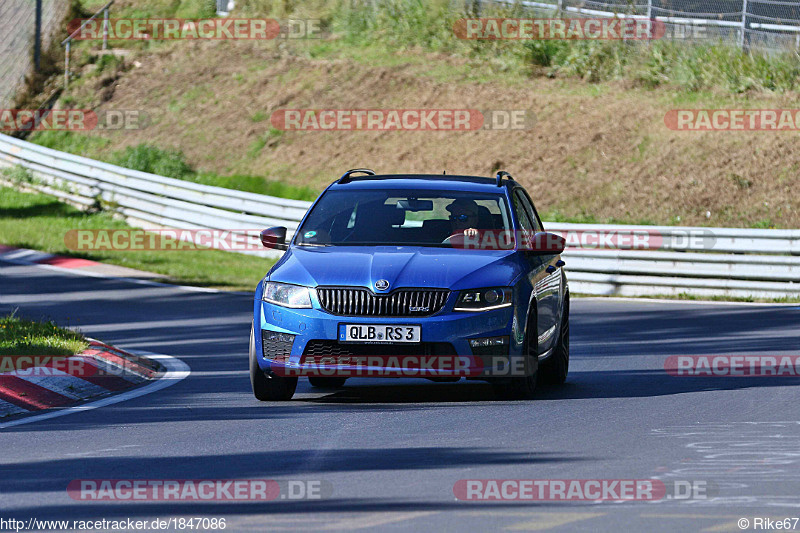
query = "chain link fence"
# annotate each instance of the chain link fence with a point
(18, 28)
(765, 25)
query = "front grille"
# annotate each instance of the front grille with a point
(349, 301)
(317, 349)
(276, 346)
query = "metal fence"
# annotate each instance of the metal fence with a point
(741, 262)
(765, 25)
(17, 28)
(67, 43)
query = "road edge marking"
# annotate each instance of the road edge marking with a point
(176, 371)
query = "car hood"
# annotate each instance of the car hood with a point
(401, 266)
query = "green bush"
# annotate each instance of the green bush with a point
(149, 158)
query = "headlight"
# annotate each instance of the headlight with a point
(286, 295)
(484, 299)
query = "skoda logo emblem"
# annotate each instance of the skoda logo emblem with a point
(382, 284)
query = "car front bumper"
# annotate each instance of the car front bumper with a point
(445, 350)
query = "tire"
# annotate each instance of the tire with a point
(522, 388)
(555, 369)
(268, 388)
(326, 383)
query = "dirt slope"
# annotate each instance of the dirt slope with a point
(601, 151)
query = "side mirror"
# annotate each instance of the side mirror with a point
(542, 243)
(274, 237)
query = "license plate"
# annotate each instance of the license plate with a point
(380, 333)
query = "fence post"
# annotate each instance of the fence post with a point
(66, 66)
(473, 7)
(105, 29)
(560, 7)
(744, 25)
(649, 9)
(37, 40)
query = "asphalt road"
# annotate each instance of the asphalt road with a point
(392, 450)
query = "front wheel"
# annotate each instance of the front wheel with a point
(554, 371)
(524, 387)
(268, 388)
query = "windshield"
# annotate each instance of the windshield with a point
(400, 217)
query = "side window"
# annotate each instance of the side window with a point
(522, 213)
(529, 209)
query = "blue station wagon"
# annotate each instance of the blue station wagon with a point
(434, 276)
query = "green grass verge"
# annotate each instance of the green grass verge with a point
(164, 162)
(26, 337)
(40, 222)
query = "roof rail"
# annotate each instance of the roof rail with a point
(502, 174)
(346, 176)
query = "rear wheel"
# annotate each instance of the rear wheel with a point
(326, 383)
(268, 388)
(524, 387)
(555, 369)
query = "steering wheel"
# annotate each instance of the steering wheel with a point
(462, 234)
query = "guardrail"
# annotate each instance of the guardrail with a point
(144, 199)
(696, 261)
(767, 25)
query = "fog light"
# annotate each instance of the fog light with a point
(278, 337)
(276, 345)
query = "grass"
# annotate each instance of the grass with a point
(155, 8)
(40, 222)
(26, 337)
(392, 32)
(73, 143)
(400, 28)
(170, 163)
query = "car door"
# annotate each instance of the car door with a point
(544, 275)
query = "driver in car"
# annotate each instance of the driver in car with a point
(464, 219)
